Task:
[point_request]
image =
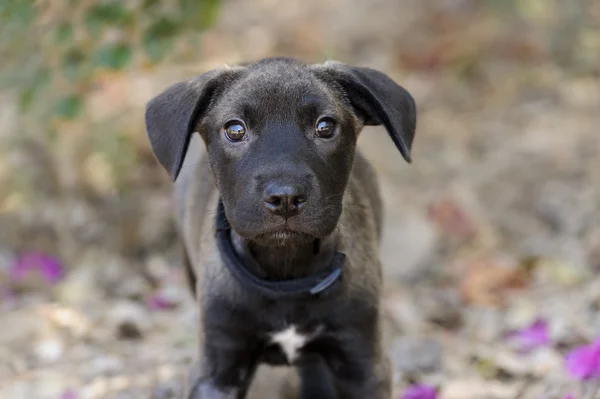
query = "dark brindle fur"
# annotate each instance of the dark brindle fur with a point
(292, 199)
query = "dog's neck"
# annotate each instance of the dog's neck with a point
(280, 262)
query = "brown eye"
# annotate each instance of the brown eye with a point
(325, 128)
(235, 131)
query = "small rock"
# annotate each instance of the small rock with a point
(166, 373)
(478, 389)
(48, 384)
(510, 363)
(97, 389)
(129, 320)
(158, 267)
(443, 307)
(71, 320)
(7, 258)
(566, 207)
(166, 390)
(22, 325)
(133, 287)
(523, 311)
(544, 362)
(49, 350)
(484, 324)
(106, 365)
(414, 241)
(157, 223)
(113, 271)
(414, 355)
(404, 312)
(119, 383)
(79, 287)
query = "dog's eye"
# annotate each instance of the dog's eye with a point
(325, 128)
(235, 130)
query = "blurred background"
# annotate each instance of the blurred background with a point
(492, 240)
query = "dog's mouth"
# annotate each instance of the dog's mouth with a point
(283, 237)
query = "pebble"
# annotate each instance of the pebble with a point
(416, 355)
(97, 389)
(157, 267)
(80, 286)
(106, 365)
(479, 389)
(408, 245)
(22, 325)
(167, 390)
(49, 350)
(133, 287)
(129, 320)
(68, 319)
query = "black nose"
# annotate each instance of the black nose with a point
(284, 199)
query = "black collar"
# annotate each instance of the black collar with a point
(242, 270)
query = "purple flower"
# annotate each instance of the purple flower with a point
(420, 391)
(531, 337)
(159, 302)
(50, 268)
(569, 397)
(69, 395)
(583, 362)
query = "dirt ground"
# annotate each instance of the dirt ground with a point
(495, 224)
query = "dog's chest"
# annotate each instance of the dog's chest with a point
(291, 341)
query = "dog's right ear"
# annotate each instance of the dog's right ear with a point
(172, 115)
(379, 100)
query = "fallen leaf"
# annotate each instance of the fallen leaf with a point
(452, 219)
(486, 281)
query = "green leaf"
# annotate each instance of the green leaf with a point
(503, 6)
(113, 56)
(52, 134)
(150, 3)
(157, 49)
(26, 98)
(63, 32)
(158, 38)
(199, 14)
(18, 11)
(68, 107)
(100, 15)
(16, 17)
(36, 84)
(162, 28)
(72, 63)
(209, 13)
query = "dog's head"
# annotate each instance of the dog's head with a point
(281, 137)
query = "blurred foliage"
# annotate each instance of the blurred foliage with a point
(54, 52)
(59, 56)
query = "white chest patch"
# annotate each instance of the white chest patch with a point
(290, 341)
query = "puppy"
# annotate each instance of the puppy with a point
(281, 224)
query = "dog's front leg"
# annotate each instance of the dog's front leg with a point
(375, 385)
(364, 369)
(226, 377)
(207, 389)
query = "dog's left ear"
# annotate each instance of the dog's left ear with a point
(377, 99)
(172, 115)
